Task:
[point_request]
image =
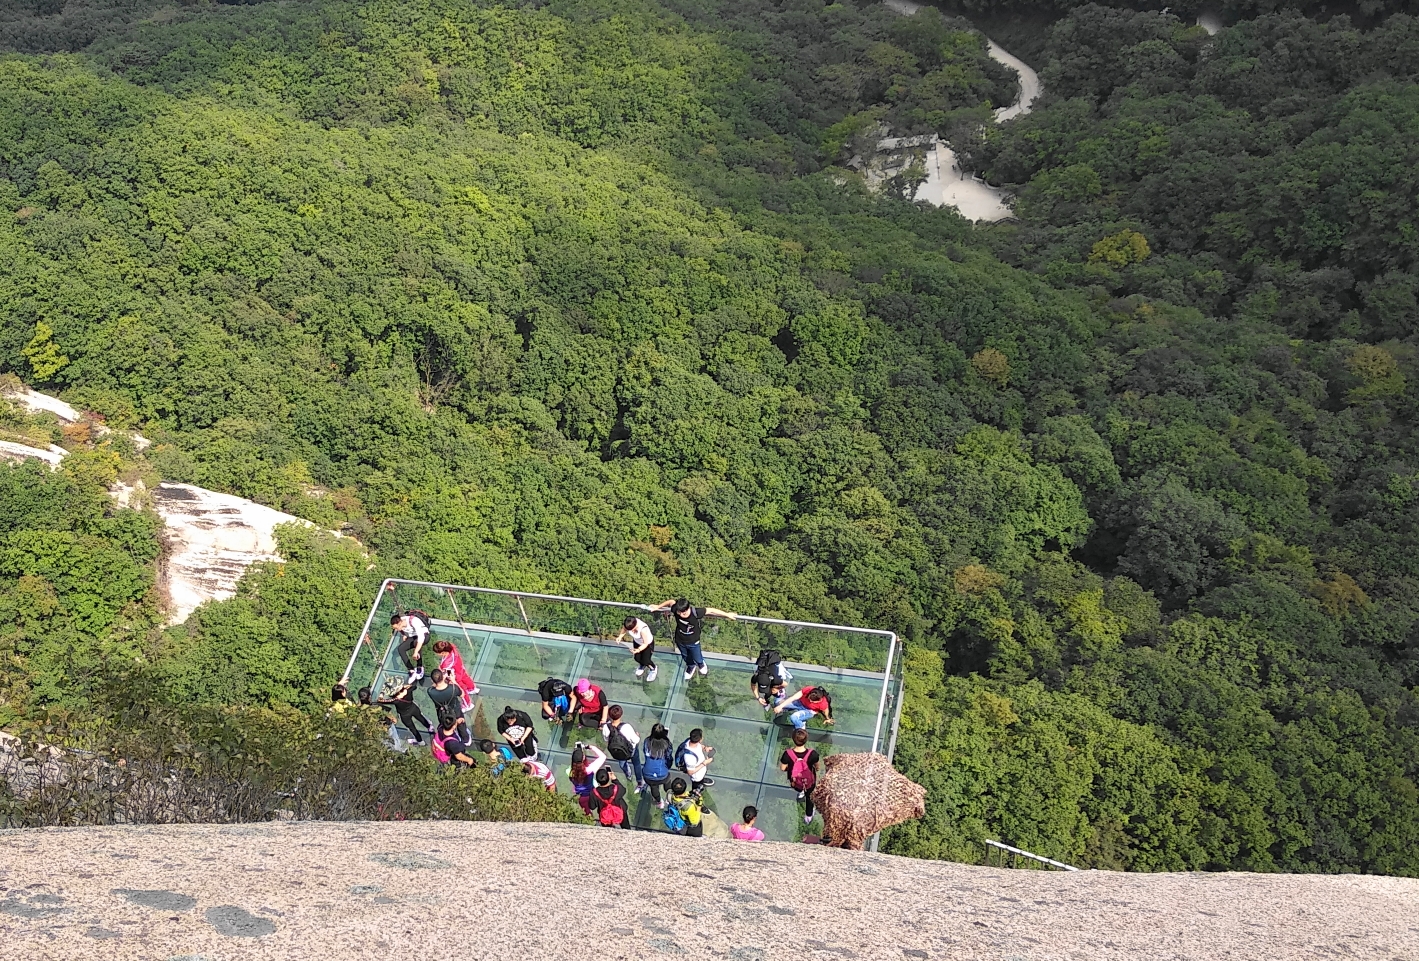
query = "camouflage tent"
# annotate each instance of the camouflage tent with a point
(860, 794)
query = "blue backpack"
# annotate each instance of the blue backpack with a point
(681, 762)
(674, 820)
(656, 768)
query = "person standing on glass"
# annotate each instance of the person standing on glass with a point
(689, 621)
(642, 643)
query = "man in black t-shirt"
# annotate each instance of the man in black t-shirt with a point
(689, 622)
(446, 695)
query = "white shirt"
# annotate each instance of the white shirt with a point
(640, 634)
(694, 757)
(626, 730)
(416, 631)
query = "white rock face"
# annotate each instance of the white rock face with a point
(211, 538)
(33, 400)
(12, 451)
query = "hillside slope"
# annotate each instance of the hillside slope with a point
(574, 297)
(461, 891)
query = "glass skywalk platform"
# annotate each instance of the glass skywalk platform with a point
(511, 642)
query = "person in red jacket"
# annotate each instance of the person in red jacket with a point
(591, 704)
(810, 701)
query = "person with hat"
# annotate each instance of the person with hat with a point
(591, 704)
(689, 621)
(398, 693)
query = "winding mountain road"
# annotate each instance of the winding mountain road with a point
(946, 184)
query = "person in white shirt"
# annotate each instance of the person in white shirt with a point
(624, 745)
(412, 630)
(698, 757)
(642, 645)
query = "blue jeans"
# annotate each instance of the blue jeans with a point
(801, 717)
(692, 654)
(631, 767)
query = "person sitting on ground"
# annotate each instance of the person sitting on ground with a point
(768, 688)
(800, 763)
(659, 753)
(770, 677)
(812, 700)
(446, 695)
(534, 768)
(587, 759)
(411, 630)
(557, 700)
(399, 694)
(689, 621)
(591, 704)
(745, 830)
(623, 744)
(516, 728)
(608, 801)
(695, 759)
(500, 754)
(454, 742)
(642, 644)
(687, 802)
(451, 663)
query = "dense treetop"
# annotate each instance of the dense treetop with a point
(573, 296)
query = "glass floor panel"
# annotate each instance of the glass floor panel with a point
(508, 665)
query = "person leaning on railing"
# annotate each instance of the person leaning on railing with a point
(689, 621)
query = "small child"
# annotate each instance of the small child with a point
(747, 831)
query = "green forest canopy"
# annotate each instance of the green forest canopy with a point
(500, 287)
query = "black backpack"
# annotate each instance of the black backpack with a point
(619, 746)
(451, 709)
(682, 763)
(421, 615)
(553, 688)
(768, 661)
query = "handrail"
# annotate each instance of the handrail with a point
(749, 618)
(1021, 853)
(369, 622)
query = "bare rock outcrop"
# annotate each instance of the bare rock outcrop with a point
(503, 891)
(212, 538)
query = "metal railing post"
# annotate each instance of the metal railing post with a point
(369, 621)
(1015, 854)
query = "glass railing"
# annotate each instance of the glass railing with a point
(511, 641)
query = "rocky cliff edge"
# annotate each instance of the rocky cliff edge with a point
(456, 891)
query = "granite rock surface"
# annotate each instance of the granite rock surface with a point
(460, 891)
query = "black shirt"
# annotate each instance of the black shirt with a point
(445, 700)
(687, 628)
(787, 758)
(613, 793)
(519, 719)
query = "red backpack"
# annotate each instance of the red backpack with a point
(800, 775)
(611, 815)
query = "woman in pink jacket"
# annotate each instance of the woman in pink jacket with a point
(450, 661)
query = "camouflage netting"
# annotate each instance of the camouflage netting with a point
(860, 794)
